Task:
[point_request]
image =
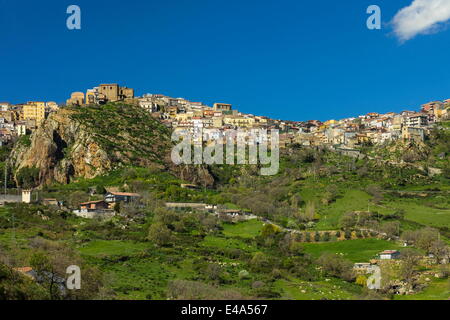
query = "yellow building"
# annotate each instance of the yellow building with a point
(329, 123)
(222, 107)
(239, 121)
(76, 99)
(34, 111)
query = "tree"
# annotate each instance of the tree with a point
(50, 261)
(410, 259)
(376, 192)
(348, 220)
(46, 273)
(410, 236)
(99, 189)
(307, 237)
(307, 156)
(317, 237)
(348, 235)
(330, 194)
(269, 230)
(166, 217)
(77, 197)
(28, 177)
(426, 237)
(159, 234)
(260, 262)
(310, 211)
(336, 266)
(391, 228)
(213, 271)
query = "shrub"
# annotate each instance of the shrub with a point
(28, 177)
(317, 237)
(243, 274)
(336, 266)
(269, 230)
(159, 234)
(307, 237)
(260, 262)
(348, 235)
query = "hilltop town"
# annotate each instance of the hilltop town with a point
(91, 181)
(181, 114)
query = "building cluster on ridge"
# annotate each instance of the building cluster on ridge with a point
(182, 114)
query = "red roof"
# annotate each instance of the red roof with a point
(24, 269)
(126, 194)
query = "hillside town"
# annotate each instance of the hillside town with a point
(292, 214)
(180, 114)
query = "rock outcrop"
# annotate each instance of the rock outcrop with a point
(62, 149)
(92, 141)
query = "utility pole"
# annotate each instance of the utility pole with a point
(6, 175)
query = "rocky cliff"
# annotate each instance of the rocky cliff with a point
(49, 151)
(93, 140)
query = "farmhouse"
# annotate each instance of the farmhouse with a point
(93, 205)
(389, 255)
(362, 266)
(115, 197)
(92, 209)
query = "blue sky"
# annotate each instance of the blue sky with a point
(286, 59)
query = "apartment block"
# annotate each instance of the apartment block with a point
(34, 111)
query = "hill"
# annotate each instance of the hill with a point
(90, 141)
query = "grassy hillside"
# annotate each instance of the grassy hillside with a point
(148, 252)
(127, 131)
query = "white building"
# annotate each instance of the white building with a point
(389, 255)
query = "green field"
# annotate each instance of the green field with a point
(247, 229)
(333, 289)
(98, 248)
(422, 214)
(352, 200)
(361, 250)
(224, 242)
